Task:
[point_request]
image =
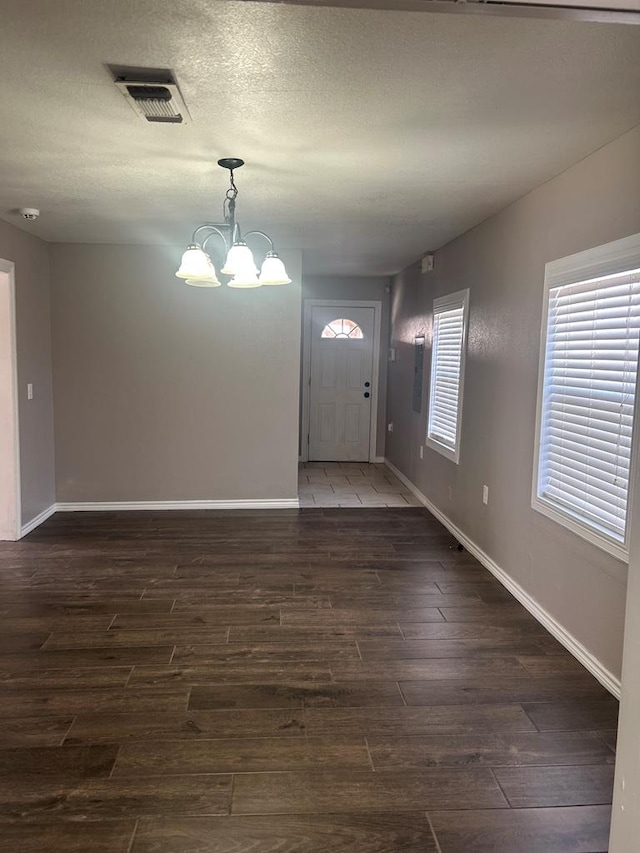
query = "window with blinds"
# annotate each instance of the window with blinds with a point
(587, 399)
(450, 317)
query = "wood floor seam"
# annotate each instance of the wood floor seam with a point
(133, 836)
(66, 734)
(404, 701)
(433, 832)
(529, 716)
(497, 782)
(369, 755)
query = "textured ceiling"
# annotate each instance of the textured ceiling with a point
(370, 136)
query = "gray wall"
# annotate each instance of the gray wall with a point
(31, 258)
(373, 288)
(502, 263)
(170, 392)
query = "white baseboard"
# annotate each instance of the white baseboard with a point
(580, 652)
(37, 521)
(378, 459)
(106, 506)
(111, 506)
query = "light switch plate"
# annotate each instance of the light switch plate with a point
(29, 391)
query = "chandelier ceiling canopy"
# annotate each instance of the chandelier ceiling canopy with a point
(197, 267)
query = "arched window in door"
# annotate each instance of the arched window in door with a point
(342, 328)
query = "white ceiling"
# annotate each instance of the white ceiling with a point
(370, 136)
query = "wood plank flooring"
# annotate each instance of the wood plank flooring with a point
(331, 680)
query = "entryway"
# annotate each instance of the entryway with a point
(9, 480)
(340, 381)
(349, 484)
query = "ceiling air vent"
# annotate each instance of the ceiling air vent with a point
(154, 100)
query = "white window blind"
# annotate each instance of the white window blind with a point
(447, 369)
(588, 400)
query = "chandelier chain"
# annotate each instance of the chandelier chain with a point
(228, 205)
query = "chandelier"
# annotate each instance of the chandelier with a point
(197, 267)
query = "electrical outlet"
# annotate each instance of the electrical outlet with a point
(421, 451)
(29, 391)
(390, 427)
(485, 495)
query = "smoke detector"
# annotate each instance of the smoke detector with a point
(30, 213)
(154, 100)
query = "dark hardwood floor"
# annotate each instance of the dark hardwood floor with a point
(322, 681)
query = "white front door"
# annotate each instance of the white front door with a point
(341, 384)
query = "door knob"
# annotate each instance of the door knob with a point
(367, 394)
(367, 384)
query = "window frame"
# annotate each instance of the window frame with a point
(609, 259)
(459, 299)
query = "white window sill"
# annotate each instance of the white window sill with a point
(600, 540)
(449, 453)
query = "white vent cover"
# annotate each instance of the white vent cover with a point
(155, 101)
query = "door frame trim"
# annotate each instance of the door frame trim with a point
(8, 267)
(309, 305)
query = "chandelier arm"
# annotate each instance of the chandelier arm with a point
(213, 228)
(215, 232)
(262, 234)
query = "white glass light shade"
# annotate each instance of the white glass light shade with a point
(248, 279)
(239, 260)
(195, 264)
(203, 282)
(273, 271)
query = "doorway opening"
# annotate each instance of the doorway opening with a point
(340, 372)
(9, 458)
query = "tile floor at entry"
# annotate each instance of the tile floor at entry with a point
(293, 681)
(351, 484)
